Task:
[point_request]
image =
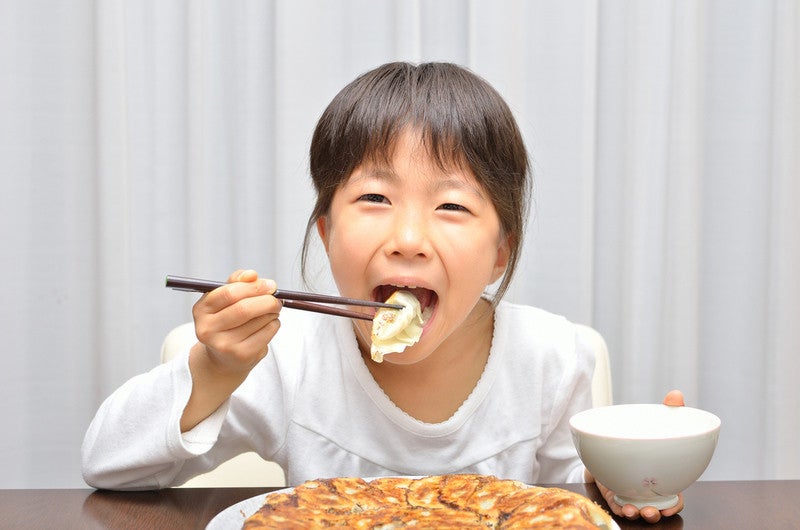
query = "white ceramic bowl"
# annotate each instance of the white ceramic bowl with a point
(645, 453)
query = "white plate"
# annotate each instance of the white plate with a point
(233, 517)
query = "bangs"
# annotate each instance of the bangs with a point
(446, 105)
(413, 100)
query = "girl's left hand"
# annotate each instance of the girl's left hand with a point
(648, 513)
(629, 511)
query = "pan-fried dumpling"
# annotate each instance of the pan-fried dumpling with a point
(395, 329)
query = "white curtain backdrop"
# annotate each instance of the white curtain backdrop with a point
(142, 138)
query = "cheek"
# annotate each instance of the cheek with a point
(355, 232)
(342, 268)
(475, 256)
(345, 239)
(348, 252)
(338, 251)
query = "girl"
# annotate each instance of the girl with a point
(422, 181)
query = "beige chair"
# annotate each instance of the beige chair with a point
(249, 469)
(602, 393)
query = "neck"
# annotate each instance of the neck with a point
(433, 389)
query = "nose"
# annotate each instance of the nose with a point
(411, 237)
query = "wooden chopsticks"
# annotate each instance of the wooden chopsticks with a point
(291, 299)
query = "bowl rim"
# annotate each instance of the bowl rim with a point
(714, 425)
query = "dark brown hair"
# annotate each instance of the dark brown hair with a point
(463, 122)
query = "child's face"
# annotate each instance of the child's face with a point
(414, 225)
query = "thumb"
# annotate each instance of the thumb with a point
(674, 398)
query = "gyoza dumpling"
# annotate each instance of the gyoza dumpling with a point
(395, 329)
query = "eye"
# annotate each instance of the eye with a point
(452, 207)
(373, 197)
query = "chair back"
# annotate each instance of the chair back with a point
(602, 390)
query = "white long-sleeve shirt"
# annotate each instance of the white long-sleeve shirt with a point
(313, 407)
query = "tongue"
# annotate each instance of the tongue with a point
(425, 296)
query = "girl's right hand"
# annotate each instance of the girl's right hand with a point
(237, 321)
(234, 324)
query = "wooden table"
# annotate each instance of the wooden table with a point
(709, 505)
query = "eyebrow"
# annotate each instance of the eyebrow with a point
(449, 182)
(378, 173)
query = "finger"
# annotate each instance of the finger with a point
(248, 309)
(260, 339)
(241, 318)
(229, 294)
(675, 509)
(243, 275)
(674, 398)
(245, 345)
(247, 349)
(650, 514)
(608, 495)
(234, 276)
(250, 328)
(629, 511)
(248, 275)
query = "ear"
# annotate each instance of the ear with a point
(503, 255)
(323, 230)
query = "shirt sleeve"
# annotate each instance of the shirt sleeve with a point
(134, 440)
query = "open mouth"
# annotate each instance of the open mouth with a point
(393, 330)
(427, 298)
